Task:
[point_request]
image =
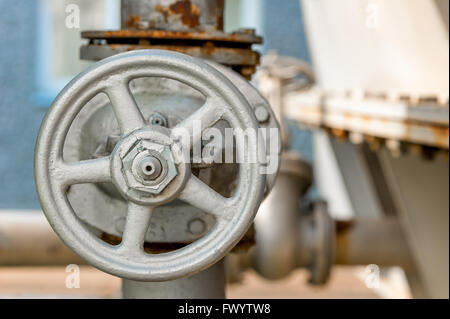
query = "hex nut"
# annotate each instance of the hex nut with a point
(141, 149)
(261, 114)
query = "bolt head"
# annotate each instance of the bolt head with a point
(158, 119)
(261, 114)
(196, 226)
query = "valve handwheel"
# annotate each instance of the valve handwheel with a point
(147, 167)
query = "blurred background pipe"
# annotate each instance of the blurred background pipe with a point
(372, 241)
(26, 239)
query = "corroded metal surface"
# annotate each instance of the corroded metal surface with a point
(243, 37)
(173, 14)
(209, 283)
(234, 57)
(422, 121)
(193, 27)
(230, 49)
(287, 237)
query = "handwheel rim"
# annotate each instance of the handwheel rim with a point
(184, 261)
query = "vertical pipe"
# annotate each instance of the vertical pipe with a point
(373, 241)
(276, 223)
(209, 283)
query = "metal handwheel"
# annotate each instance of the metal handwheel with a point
(147, 167)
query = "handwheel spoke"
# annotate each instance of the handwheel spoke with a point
(127, 111)
(200, 195)
(88, 171)
(136, 226)
(206, 116)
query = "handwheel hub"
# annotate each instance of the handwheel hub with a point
(149, 168)
(144, 166)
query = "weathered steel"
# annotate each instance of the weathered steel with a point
(193, 27)
(230, 49)
(172, 14)
(223, 55)
(394, 119)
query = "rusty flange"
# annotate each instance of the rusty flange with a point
(230, 49)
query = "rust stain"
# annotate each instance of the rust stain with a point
(208, 48)
(441, 135)
(220, 22)
(228, 56)
(340, 134)
(132, 21)
(163, 10)
(178, 35)
(240, 60)
(190, 13)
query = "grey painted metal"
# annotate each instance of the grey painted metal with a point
(207, 284)
(53, 175)
(140, 146)
(321, 244)
(416, 119)
(95, 133)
